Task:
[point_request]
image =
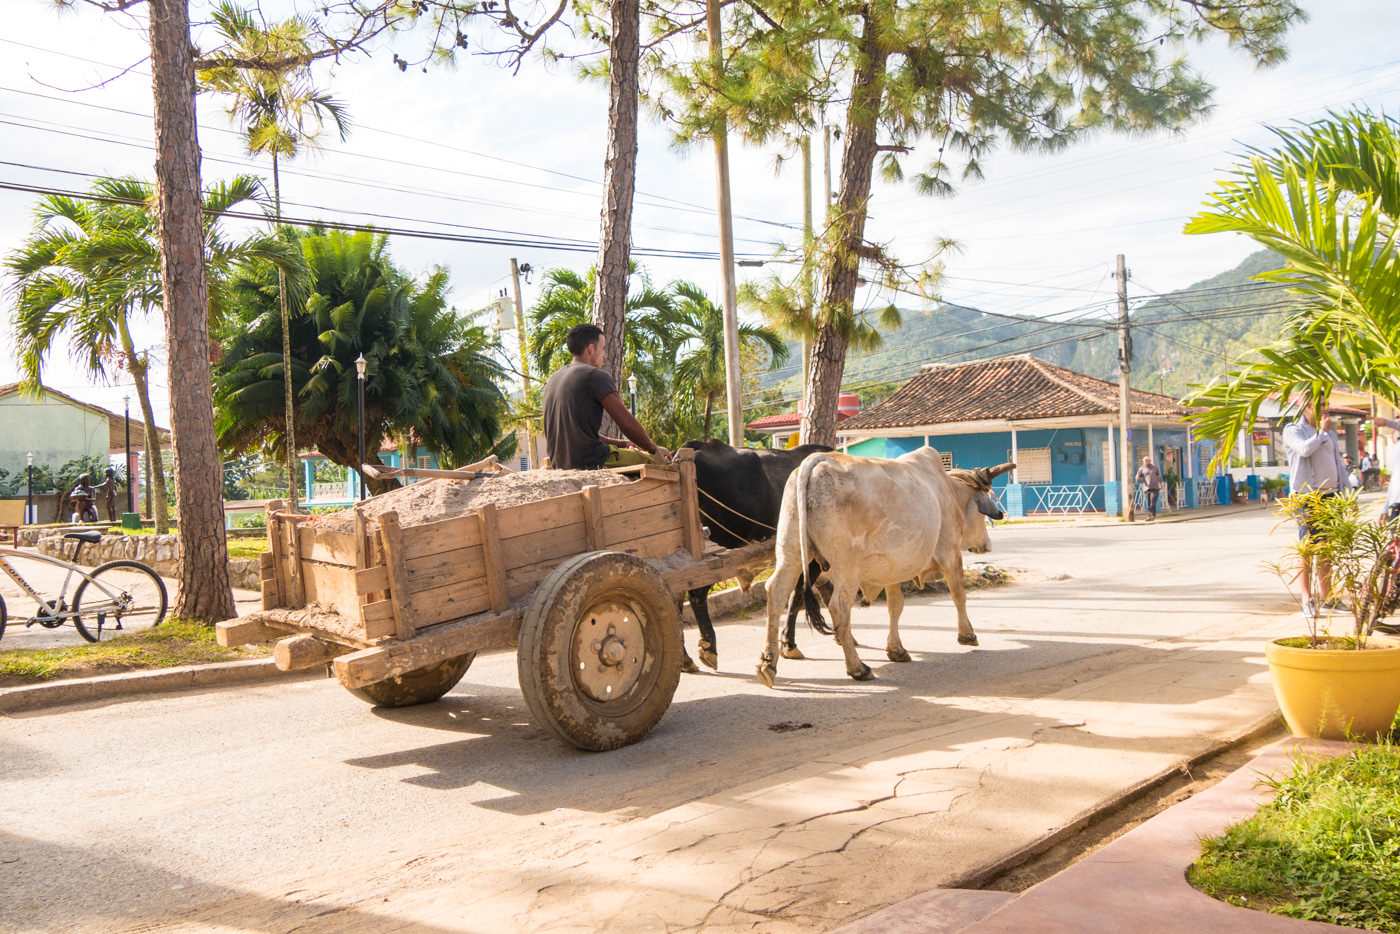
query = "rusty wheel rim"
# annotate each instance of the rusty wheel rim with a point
(609, 650)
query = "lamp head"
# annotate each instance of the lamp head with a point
(361, 365)
(29, 459)
(632, 383)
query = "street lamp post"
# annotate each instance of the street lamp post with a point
(632, 391)
(130, 487)
(29, 491)
(360, 366)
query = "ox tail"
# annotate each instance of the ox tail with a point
(804, 480)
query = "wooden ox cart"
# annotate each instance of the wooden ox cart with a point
(584, 584)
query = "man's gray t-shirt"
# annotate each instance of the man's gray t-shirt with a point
(573, 413)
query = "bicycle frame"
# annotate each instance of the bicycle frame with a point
(43, 612)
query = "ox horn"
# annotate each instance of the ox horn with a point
(999, 470)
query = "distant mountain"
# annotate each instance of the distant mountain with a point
(1179, 339)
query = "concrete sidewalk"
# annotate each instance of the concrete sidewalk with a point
(1137, 883)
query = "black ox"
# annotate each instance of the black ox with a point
(741, 494)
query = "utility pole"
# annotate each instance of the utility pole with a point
(726, 244)
(808, 298)
(1125, 358)
(524, 355)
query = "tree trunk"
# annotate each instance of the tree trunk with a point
(619, 182)
(161, 509)
(289, 398)
(204, 592)
(709, 413)
(841, 268)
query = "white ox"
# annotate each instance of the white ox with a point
(875, 523)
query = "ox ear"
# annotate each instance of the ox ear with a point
(999, 470)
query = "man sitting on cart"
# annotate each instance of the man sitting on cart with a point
(575, 399)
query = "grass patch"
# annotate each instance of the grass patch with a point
(174, 642)
(1325, 849)
(246, 547)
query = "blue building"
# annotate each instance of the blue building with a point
(345, 490)
(1059, 427)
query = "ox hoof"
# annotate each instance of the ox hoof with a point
(898, 655)
(793, 651)
(767, 674)
(863, 673)
(688, 665)
(970, 639)
(709, 657)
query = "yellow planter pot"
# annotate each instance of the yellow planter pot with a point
(1336, 693)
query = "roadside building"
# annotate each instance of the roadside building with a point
(56, 429)
(1060, 427)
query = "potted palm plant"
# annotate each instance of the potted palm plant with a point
(1347, 684)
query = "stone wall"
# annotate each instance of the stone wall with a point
(158, 552)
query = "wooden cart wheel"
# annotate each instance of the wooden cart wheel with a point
(419, 686)
(600, 650)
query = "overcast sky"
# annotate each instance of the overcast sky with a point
(482, 152)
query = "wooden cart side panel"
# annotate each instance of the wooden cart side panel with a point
(324, 545)
(638, 495)
(435, 538)
(621, 530)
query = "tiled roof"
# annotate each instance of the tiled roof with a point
(786, 420)
(1007, 388)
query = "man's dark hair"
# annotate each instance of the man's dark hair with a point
(581, 337)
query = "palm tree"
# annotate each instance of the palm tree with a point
(280, 110)
(700, 330)
(92, 266)
(1327, 199)
(430, 373)
(567, 299)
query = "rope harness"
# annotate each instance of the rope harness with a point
(722, 526)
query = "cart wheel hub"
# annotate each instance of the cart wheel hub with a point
(608, 650)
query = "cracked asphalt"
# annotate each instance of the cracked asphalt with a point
(1116, 655)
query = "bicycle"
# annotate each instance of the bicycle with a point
(104, 598)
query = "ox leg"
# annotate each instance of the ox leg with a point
(790, 649)
(953, 576)
(842, 597)
(779, 585)
(894, 599)
(708, 646)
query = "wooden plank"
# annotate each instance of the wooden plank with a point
(661, 472)
(290, 555)
(449, 567)
(266, 562)
(244, 631)
(273, 596)
(330, 626)
(372, 580)
(639, 495)
(653, 546)
(593, 518)
(690, 509)
(297, 653)
(391, 537)
(720, 566)
(621, 528)
(436, 537)
(457, 637)
(491, 554)
(452, 601)
(556, 544)
(378, 621)
(325, 545)
(332, 586)
(361, 546)
(540, 516)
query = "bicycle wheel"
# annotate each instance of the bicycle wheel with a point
(118, 596)
(2, 617)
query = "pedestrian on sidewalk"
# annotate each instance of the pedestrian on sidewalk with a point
(1150, 479)
(1314, 464)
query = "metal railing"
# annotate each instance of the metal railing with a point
(1205, 493)
(1061, 497)
(328, 490)
(1165, 502)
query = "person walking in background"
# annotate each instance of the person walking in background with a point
(1150, 479)
(1314, 464)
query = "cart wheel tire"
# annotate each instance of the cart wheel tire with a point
(419, 686)
(600, 650)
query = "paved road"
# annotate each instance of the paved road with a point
(278, 807)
